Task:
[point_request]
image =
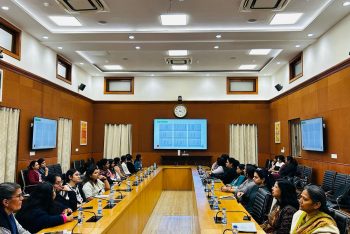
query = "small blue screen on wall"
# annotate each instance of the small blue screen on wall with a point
(180, 134)
(312, 134)
(44, 133)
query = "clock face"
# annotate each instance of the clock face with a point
(180, 111)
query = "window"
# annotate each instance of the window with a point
(295, 137)
(119, 85)
(10, 39)
(242, 85)
(64, 69)
(296, 68)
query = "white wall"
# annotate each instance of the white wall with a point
(330, 49)
(190, 88)
(41, 60)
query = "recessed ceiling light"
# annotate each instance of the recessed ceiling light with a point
(45, 37)
(46, 4)
(113, 67)
(179, 67)
(131, 37)
(216, 47)
(177, 52)
(172, 20)
(259, 51)
(247, 66)
(137, 47)
(310, 34)
(5, 8)
(60, 47)
(346, 4)
(81, 63)
(65, 21)
(297, 46)
(278, 62)
(286, 18)
(218, 36)
(152, 74)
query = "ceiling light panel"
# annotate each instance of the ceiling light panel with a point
(247, 66)
(177, 52)
(65, 21)
(113, 67)
(179, 67)
(285, 18)
(259, 51)
(174, 20)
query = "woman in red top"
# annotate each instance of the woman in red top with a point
(34, 176)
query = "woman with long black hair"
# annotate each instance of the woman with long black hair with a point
(40, 211)
(281, 214)
(94, 183)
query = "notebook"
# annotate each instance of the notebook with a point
(245, 227)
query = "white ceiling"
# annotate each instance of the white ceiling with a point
(96, 44)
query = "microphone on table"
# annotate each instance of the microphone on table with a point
(218, 219)
(91, 212)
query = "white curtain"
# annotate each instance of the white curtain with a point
(64, 143)
(244, 143)
(117, 140)
(9, 120)
(295, 134)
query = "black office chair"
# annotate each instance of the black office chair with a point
(261, 205)
(300, 171)
(27, 188)
(328, 180)
(338, 188)
(343, 221)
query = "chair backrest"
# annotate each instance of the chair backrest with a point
(342, 220)
(339, 181)
(328, 180)
(307, 174)
(347, 179)
(300, 171)
(55, 169)
(24, 177)
(261, 205)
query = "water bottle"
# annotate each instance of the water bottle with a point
(154, 166)
(99, 208)
(136, 179)
(80, 215)
(128, 183)
(212, 186)
(235, 229)
(141, 176)
(224, 218)
(215, 203)
(111, 196)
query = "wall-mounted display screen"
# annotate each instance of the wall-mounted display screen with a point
(183, 134)
(44, 133)
(312, 134)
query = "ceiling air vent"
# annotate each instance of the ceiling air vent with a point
(178, 61)
(267, 5)
(83, 6)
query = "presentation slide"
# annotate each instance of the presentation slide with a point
(180, 134)
(44, 133)
(312, 134)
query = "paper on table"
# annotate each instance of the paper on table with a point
(229, 197)
(245, 227)
(101, 196)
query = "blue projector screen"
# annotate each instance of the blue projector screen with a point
(312, 134)
(180, 134)
(44, 133)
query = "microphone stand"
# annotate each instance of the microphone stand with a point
(95, 217)
(218, 219)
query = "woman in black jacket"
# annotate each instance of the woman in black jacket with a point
(40, 212)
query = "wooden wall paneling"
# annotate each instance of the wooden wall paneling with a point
(177, 179)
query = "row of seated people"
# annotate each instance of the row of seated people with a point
(52, 202)
(287, 215)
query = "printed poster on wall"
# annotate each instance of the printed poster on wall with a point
(83, 133)
(278, 132)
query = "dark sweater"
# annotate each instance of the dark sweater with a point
(229, 175)
(36, 219)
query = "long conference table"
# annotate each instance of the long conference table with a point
(131, 214)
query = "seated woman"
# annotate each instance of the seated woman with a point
(289, 169)
(64, 196)
(278, 164)
(130, 164)
(138, 162)
(261, 181)
(73, 182)
(112, 168)
(246, 185)
(219, 171)
(94, 183)
(40, 211)
(34, 177)
(43, 170)
(11, 198)
(119, 165)
(104, 165)
(313, 216)
(281, 214)
(230, 171)
(124, 166)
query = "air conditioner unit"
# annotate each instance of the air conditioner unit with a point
(83, 6)
(265, 5)
(178, 60)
